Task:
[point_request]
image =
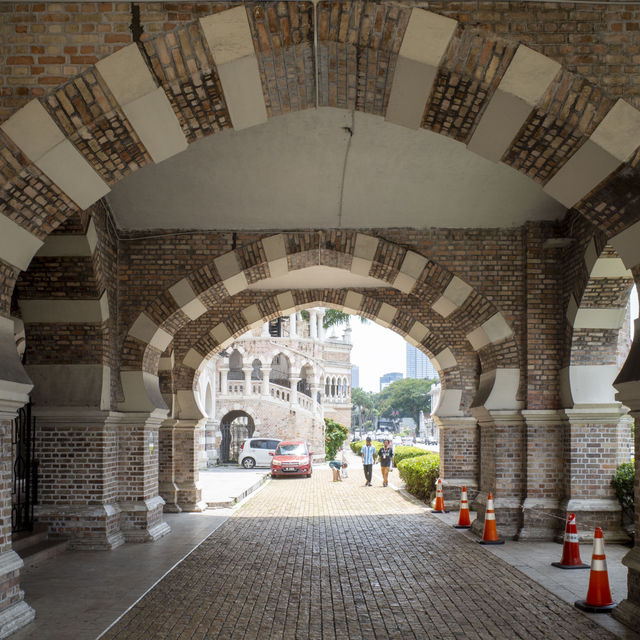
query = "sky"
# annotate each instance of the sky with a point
(376, 351)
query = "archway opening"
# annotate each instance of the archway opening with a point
(235, 428)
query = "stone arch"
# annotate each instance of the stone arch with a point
(448, 297)
(280, 370)
(595, 320)
(234, 434)
(140, 89)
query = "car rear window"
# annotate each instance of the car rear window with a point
(291, 450)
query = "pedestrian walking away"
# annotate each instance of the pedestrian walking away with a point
(368, 454)
(385, 456)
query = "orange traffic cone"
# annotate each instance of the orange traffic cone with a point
(571, 549)
(439, 508)
(464, 521)
(599, 598)
(490, 533)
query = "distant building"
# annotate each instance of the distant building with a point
(355, 376)
(388, 378)
(418, 364)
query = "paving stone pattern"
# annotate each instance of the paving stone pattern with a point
(316, 559)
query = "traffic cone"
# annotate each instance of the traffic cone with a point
(439, 507)
(599, 598)
(464, 521)
(490, 533)
(571, 549)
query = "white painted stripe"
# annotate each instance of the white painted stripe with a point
(599, 318)
(598, 565)
(17, 245)
(61, 311)
(490, 515)
(65, 246)
(229, 38)
(525, 82)
(145, 105)
(424, 44)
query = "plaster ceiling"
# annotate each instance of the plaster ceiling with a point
(305, 170)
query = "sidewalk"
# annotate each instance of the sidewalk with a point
(225, 486)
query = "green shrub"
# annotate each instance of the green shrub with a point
(420, 474)
(402, 453)
(334, 435)
(356, 446)
(622, 483)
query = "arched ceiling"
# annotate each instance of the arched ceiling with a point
(328, 168)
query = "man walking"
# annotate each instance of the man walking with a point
(368, 454)
(385, 455)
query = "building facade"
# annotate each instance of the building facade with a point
(388, 378)
(279, 380)
(418, 364)
(466, 174)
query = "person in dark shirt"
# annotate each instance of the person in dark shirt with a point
(385, 456)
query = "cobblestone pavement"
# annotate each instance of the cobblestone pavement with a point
(316, 559)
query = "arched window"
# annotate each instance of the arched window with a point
(235, 366)
(280, 369)
(256, 373)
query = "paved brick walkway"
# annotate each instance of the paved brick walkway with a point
(314, 559)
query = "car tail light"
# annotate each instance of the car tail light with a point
(242, 446)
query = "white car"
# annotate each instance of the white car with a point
(257, 452)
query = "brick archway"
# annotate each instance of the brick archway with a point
(138, 105)
(415, 279)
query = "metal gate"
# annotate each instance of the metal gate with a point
(24, 492)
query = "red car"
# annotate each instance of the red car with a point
(291, 458)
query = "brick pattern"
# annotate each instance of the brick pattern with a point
(281, 563)
(88, 114)
(8, 278)
(283, 39)
(182, 63)
(468, 76)
(27, 196)
(567, 115)
(358, 45)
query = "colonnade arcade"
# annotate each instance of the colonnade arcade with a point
(458, 182)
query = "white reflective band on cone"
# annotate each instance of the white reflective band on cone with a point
(598, 565)
(571, 537)
(490, 516)
(598, 547)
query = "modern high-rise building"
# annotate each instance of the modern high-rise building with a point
(388, 378)
(418, 364)
(355, 376)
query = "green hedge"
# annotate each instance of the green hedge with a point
(623, 486)
(420, 474)
(403, 452)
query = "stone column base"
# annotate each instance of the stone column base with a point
(17, 613)
(543, 519)
(597, 512)
(169, 493)
(88, 527)
(508, 515)
(628, 611)
(452, 488)
(190, 497)
(142, 520)
(15, 617)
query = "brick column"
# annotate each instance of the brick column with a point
(502, 468)
(14, 611)
(78, 471)
(459, 461)
(542, 514)
(628, 611)
(141, 505)
(167, 486)
(591, 446)
(187, 435)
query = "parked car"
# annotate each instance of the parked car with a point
(256, 452)
(291, 458)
